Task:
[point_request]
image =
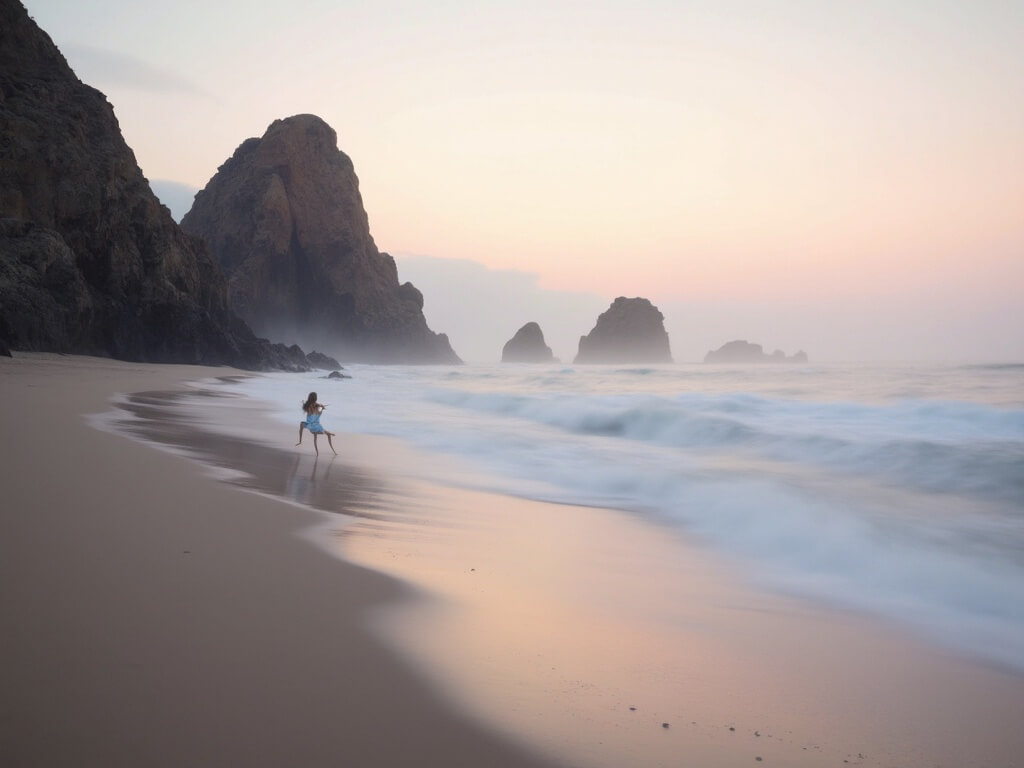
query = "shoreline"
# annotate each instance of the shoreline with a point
(470, 552)
(580, 631)
(158, 617)
(494, 574)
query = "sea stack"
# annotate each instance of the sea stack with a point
(284, 219)
(90, 261)
(629, 331)
(742, 351)
(527, 346)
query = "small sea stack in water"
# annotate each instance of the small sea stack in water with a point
(527, 346)
(629, 331)
(743, 351)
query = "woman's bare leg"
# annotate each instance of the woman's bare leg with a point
(315, 436)
(302, 426)
(329, 436)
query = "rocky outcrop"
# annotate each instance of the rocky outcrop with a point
(322, 361)
(745, 352)
(630, 331)
(284, 219)
(90, 262)
(527, 346)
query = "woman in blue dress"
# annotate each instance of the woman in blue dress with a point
(313, 409)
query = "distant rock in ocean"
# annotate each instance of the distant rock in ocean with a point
(745, 352)
(284, 219)
(90, 261)
(527, 346)
(629, 331)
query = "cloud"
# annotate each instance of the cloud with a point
(481, 308)
(104, 68)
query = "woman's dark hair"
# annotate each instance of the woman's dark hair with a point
(306, 406)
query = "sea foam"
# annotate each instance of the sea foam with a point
(898, 491)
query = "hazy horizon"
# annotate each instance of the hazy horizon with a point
(843, 179)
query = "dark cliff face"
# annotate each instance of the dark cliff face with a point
(285, 221)
(90, 262)
(629, 331)
(527, 346)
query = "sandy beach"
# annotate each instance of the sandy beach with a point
(156, 617)
(161, 616)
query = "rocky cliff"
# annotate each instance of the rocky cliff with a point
(90, 262)
(284, 219)
(630, 331)
(527, 346)
(744, 352)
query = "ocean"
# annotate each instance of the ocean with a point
(891, 490)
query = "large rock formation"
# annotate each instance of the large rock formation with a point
(629, 331)
(527, 346)
(90, 262)
(745, 352)
(285, 221)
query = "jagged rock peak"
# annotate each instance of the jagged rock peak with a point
(629, 331)
(90, 262)
(284, 218)
(742, 351)
(527, 346)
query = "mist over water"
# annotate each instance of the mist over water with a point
(894, 490)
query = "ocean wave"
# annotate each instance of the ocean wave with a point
(962, 448)
(994, 367)
(907, 508)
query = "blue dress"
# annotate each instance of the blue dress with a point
(313, 423)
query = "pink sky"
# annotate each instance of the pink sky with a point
(722, 154)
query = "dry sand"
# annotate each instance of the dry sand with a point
(162, 617)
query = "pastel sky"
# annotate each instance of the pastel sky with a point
(842, 177)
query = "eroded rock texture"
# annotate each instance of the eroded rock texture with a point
(90, 261)
(285, 221)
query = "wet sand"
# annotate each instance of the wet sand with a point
(594, 637)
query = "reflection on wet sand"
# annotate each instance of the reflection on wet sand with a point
(175, 419)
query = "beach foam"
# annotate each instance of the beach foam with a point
(892, 491)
